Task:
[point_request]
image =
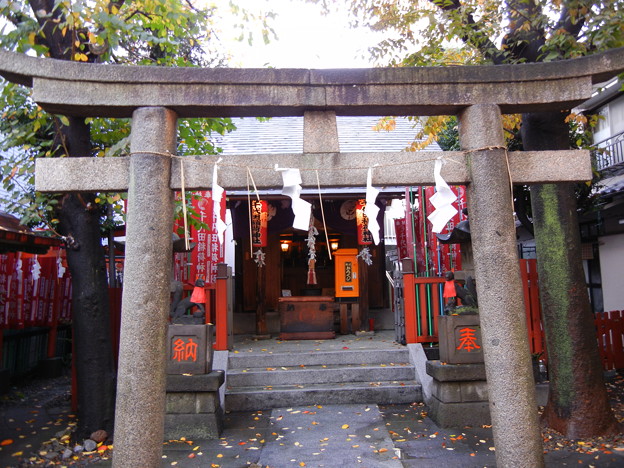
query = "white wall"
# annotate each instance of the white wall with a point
(612, 271)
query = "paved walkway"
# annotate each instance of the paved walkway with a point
(313, 436)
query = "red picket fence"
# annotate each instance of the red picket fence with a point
(610, 334)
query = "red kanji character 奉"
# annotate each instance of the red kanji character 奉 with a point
(468, 339)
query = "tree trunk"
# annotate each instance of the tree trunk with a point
(578, 405)
(80, 222)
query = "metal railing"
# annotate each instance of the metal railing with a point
(609, 152)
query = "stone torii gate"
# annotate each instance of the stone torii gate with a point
(156, 97)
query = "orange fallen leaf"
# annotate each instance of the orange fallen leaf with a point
(191, 455)
(382, 450)
(6, 442)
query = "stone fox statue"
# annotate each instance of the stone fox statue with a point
(179, 306)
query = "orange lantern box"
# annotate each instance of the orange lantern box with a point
(346, 273)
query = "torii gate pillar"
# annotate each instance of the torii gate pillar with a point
(501, 308)
(141, 387)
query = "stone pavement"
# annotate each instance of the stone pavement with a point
(353, 436)
(313, 436)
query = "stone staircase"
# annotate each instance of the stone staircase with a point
(257, 381)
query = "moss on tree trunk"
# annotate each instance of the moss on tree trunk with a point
(578, 405)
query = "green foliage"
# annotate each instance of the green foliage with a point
(420, 32)
(145, 32)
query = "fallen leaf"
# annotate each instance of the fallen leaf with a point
(345, 426)
(6, 442)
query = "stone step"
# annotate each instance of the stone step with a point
(245, 360)
(320, 374)
(267, 397)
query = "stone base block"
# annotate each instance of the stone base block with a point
(5, 380)
(195, 383)
(448, 415)
(50, 368)
(193, 403)
(459, 392)
(455, 372)
(194, 426)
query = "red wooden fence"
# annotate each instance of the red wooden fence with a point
(532, 307)
(610, 334)
(423, 306)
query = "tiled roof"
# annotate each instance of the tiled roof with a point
(283, 135)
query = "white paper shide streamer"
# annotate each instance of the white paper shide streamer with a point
(292, 189)
(35, 269)
(372, 210)
(442, 200)
(217, 195)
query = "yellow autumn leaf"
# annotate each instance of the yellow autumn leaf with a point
(345, 426)
(31, 38)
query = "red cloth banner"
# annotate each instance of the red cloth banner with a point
(363, 234)
(207, 254)
(30, 301)
(259, 220)
(432, 257)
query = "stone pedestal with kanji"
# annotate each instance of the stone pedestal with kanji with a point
(460, 339)
(459, 394)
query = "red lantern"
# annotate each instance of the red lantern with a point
(259, 219)
(364, 235)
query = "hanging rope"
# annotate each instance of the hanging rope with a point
(187, 244)
(318, 184)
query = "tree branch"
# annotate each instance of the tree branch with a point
(475, 36)
(565, 22)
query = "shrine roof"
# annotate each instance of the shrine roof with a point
(15, 237)
(283, 135)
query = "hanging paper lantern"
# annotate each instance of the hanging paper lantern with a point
(364, 235)
(259, 219)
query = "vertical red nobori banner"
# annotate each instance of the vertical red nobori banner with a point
(400, 228)
(364, 235)
(207, 254)
(432, 257)
(259, 223)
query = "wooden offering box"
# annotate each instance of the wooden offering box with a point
(306, 318)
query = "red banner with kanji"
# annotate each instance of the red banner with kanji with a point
(202, 261)
(35, 290)
(432, 257)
